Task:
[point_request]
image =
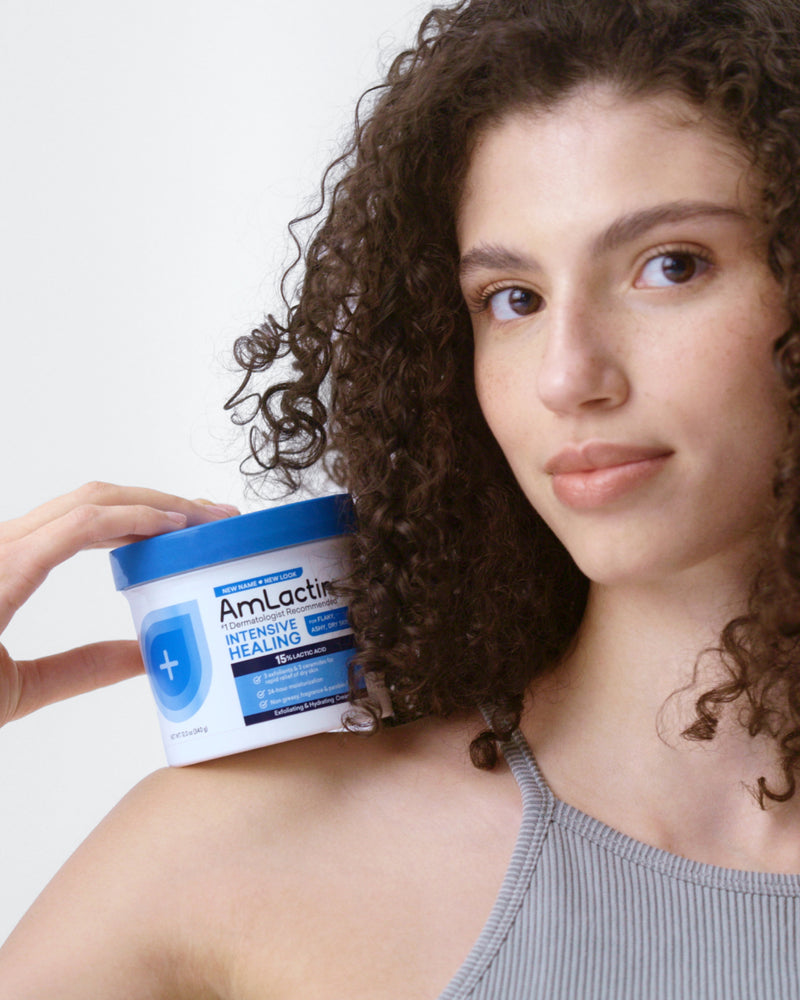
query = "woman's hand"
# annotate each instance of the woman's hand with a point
(94, 516)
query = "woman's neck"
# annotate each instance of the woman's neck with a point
(607, 724)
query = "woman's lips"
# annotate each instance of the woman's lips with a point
(599, 472)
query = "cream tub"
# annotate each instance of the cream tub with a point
(243, 640)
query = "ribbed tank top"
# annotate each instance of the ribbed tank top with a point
(587, 913)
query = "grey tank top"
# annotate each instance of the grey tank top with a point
(587, 913)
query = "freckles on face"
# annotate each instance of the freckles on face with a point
(624, 317)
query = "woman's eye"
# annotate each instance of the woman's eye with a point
(671, 269)
(511, 303)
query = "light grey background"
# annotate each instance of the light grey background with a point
(153, 152)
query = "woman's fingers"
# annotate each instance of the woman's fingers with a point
(26, 561)
(98, 514)
(108, 495)
(30, 684)
(32, 545)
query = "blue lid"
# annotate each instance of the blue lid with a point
(231, 538)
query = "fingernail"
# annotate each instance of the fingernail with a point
(222, 509)
(176, 518)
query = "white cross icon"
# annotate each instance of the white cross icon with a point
(168, 664)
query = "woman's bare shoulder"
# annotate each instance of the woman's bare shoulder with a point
(284, 782)
(197, 867)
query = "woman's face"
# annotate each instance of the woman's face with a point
(623, 317)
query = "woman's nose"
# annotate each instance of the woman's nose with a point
(582, 366)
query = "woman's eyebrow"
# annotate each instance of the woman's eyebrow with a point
(635, 224)
(493, 256)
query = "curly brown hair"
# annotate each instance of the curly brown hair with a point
(460, 595)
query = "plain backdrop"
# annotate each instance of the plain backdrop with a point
(152, 153)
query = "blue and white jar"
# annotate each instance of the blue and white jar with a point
(243, 641)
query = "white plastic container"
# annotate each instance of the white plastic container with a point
(243, 642)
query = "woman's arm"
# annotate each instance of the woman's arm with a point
(103, 928)
(95, 924)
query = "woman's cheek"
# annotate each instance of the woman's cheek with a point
(496, 392)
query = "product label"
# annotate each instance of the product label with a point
(281, 684)
(327, 621)
(235, 644)
(271, 597)
(176, 658)
(280, 637)
(258, 581)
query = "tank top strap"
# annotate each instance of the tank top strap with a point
(519, 757)
(538, 804)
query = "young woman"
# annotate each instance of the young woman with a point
(547, 336)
